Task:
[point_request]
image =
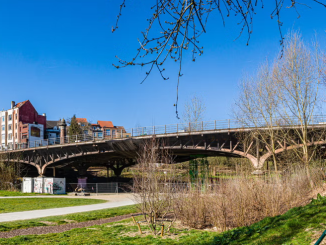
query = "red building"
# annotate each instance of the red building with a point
(21, 124)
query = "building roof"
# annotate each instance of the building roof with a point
(20, 104)
(81, 120)
(105, 124)
(51, 124)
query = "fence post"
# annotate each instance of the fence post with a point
(96, 189)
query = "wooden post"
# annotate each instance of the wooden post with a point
(162, 230)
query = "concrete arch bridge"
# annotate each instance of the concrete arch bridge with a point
(183, 141)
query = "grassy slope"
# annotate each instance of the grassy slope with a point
(18, 193)
(78, 217)
(25, 204)
(300, 225)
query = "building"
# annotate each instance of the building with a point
(102, 129)
(52, 132)
(21, 125)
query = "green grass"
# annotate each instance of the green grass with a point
(123, 232)
(301, 225)
(78, 217)
(8, 205)
(18, 193)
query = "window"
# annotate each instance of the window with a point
(83, 125)
(16, 126)
(94, 134)
(16, 116)
(113, 132)
(9, 127)
(94, 128)
(16, 135)
(10, 117)
(100, 134)
(3, 128)
(127, 136)
(108, 131)
(9, 136)
(3, 118)
(85, 131)
(3, 137)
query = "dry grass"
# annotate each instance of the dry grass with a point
(244, 200)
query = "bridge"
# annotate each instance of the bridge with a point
(184, 141)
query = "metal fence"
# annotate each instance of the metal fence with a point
(178, 128)
(100, 188)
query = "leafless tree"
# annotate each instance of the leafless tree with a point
(282, 100)
(194, 111)
(298, 78)
(182, 22)
(258, 107)
(154, 189)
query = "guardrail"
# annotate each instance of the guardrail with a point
(177, 128)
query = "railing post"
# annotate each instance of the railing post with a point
(177, 128)
(202, 126)
(153, 129)
(229, 123)
(132, 132)
(215, 124)
(165, 129)
(121, 134)
(189, 126)
(76, 138)
(96, 189)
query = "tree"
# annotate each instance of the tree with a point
(193, 115)
(74, 127)
(258, 107)
(281, 101)
(298, 78)
(182, 22)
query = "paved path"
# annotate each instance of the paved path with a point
(113, 202)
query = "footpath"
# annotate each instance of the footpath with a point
(115, 200)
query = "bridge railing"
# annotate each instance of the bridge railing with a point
(178, 128)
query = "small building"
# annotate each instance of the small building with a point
(52, 132)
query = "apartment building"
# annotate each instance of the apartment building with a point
(21, 124)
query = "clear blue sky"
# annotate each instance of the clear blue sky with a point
(59, 55)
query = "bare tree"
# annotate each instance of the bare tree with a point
(182, 22)
(298, 78)
(153, 189)
(193, 115)
(257, 107)
(282, 100)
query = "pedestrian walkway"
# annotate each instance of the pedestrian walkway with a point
(114, 201)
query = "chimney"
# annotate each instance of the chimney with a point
(12, 104)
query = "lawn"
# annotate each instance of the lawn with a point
(8, 205)
(77, 217)
(18, 193)
(301, 225)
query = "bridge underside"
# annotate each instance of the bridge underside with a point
(120, 153)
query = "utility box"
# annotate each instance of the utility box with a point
(44, 185)
(27, 186)
(55, 185)
(38, 185)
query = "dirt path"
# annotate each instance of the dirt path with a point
(60, 228)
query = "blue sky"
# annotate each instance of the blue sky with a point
(59, 55)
